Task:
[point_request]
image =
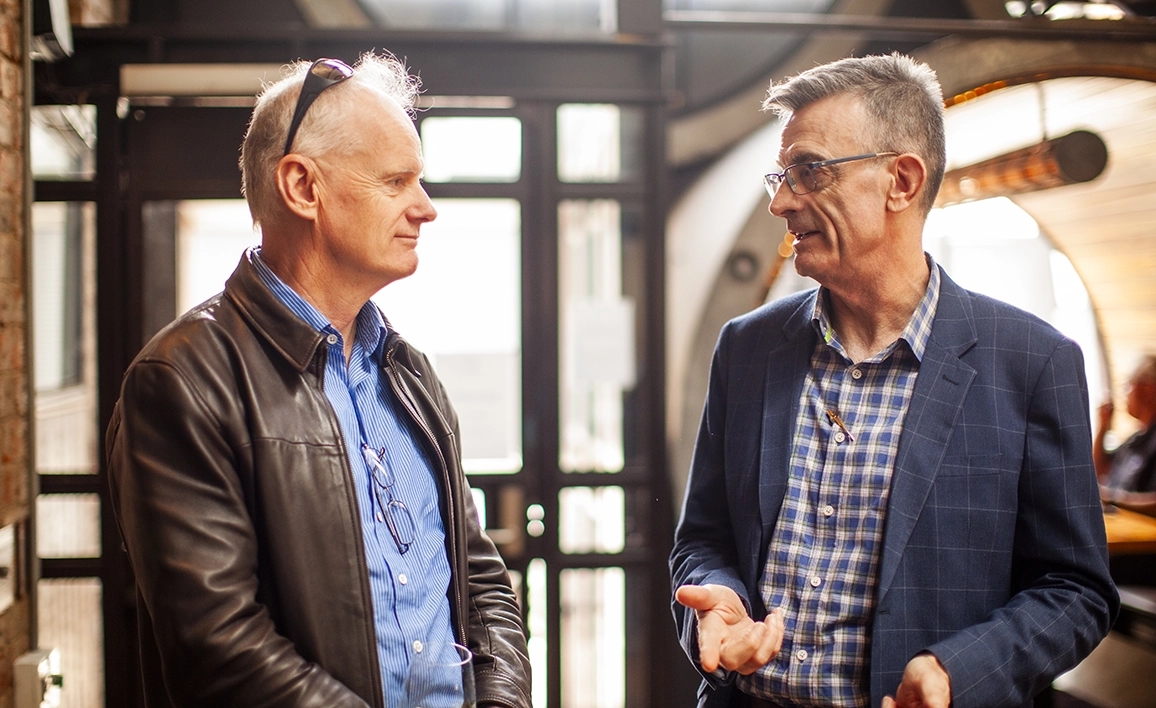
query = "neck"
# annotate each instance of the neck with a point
(333, 294)
(872, 313)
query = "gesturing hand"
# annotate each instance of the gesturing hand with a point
(925, 684)
(727, 636)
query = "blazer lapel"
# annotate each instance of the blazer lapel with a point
(936, 402)
(786, 366)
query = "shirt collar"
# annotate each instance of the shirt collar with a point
(371, 328)
(918, 329)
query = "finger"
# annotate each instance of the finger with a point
(765, 650)
(708, 653)
(711, 640)
(889, 702)
(751, 650)
(776, 629)
(712, 633)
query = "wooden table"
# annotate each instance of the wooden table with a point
(1129, 532)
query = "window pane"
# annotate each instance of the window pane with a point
(211, 235)
(62, 141)
(64, 339)
(463, 308)
(593, 638)
(536, 626)
(463, 149)
(68, 525)
(596, 333)
(559, 16)
(591, 520)
(599, 142)
(70, 620)
(58, 236)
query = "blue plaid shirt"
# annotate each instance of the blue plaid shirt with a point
(824, 553)
(410, 604)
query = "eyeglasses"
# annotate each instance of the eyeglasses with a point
(801, 177)
(393, 512)
(321, 75)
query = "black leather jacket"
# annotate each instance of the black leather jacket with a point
(233, 492)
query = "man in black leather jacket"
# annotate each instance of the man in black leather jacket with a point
(272, 506)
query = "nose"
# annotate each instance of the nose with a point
(423, 210)
(784, 202)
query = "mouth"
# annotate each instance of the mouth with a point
(801, 235)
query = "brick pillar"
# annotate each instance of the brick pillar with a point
(15, 442)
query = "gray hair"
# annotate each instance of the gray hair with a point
(269, 125)
(901, 95)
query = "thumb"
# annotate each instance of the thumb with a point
(889, 702)
(696, 597)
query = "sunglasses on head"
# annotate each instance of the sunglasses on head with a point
(321, 75)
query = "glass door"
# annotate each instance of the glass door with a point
(531, 299)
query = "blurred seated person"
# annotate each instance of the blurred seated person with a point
(1128, 474)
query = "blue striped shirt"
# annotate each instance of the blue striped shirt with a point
(410, 604)
(824, 553)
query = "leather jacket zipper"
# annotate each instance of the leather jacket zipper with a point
(403, 394)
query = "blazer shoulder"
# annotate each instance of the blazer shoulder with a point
(778, 316)
(1003, 325)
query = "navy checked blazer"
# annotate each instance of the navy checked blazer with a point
(994, 556)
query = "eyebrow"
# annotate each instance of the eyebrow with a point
(801, 158)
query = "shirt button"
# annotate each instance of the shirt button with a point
(856, 374)
(816, 581)
(380, 516)
(828, 510)
(402, 579)
(332, 339)
(801, 655)
(840, 437)
(417, 647)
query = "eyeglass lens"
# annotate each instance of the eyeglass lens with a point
(396, 514)
(800, 178)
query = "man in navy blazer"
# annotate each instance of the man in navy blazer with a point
(892, 500)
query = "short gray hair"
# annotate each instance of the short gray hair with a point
(269, 125)
(902, 96)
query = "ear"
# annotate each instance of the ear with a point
(910, 178)
(297, 185)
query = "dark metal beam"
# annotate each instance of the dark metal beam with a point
(1129, 29)
(611, 68)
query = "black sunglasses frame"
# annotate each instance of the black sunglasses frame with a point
(322, 74)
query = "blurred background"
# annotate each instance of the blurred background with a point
(597, 169)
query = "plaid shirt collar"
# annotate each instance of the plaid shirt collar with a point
(917, 331)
